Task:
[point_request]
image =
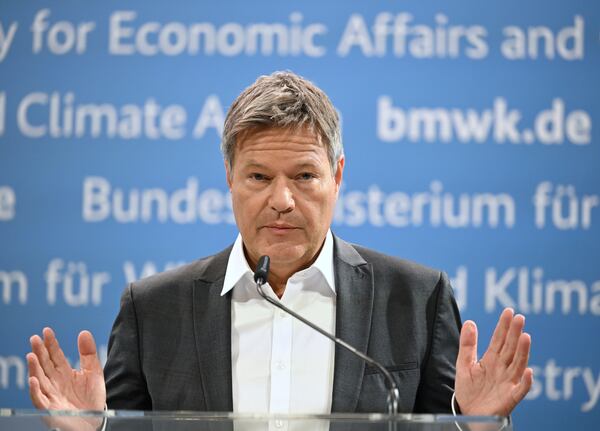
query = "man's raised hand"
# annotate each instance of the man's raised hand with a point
(499, 381)
(54, 385)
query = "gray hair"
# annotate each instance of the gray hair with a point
(286, 100)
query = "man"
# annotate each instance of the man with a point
(200, 337)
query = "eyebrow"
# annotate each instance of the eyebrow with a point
(308, 165)
(253, 164)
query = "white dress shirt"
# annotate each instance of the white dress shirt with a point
(280, 365)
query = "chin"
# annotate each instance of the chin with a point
(285, 254)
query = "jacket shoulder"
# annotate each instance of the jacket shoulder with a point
(210, 268)
(396, 272)
(404, 266)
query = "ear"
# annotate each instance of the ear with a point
(339, 173)
(228, 174)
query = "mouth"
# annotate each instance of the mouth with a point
(280, 228)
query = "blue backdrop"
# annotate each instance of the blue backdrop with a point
(468, 129)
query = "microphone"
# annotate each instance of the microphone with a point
(262, 270)
(260, 277)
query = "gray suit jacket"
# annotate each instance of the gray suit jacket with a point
(170, 346)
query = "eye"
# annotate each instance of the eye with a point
(257, 177)
(306, 176)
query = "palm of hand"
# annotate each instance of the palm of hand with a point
(500, 380)
(81, 390)
(54, 385)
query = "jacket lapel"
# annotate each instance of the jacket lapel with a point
(212, 331)
(354, 286)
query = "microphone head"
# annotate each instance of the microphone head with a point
(261, 274)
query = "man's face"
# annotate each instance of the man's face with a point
(283, 192)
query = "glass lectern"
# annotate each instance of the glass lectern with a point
(31, 420)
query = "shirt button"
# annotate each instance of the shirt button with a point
(280, 365)
(279, 423)
(283, 314)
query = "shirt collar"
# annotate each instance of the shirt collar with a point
(237, 265)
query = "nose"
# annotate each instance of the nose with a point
(281, 199)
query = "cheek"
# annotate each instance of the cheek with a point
(238, 207)
(246, 207)
(318, 209)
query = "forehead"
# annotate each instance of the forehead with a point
(284, 143)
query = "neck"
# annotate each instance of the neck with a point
(279, 276)
(278, 282)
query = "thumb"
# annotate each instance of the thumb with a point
(88, 356)
(467, 350)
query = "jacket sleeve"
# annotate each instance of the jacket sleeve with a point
(438, 369)
(125, 382)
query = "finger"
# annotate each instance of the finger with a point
(521, 358)
(467, 350)
(87, 353)
(38, 347)
(499, 336)
(40, 401)
(35, 370)
(512, 339)
(519, 392)
(55, 353)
